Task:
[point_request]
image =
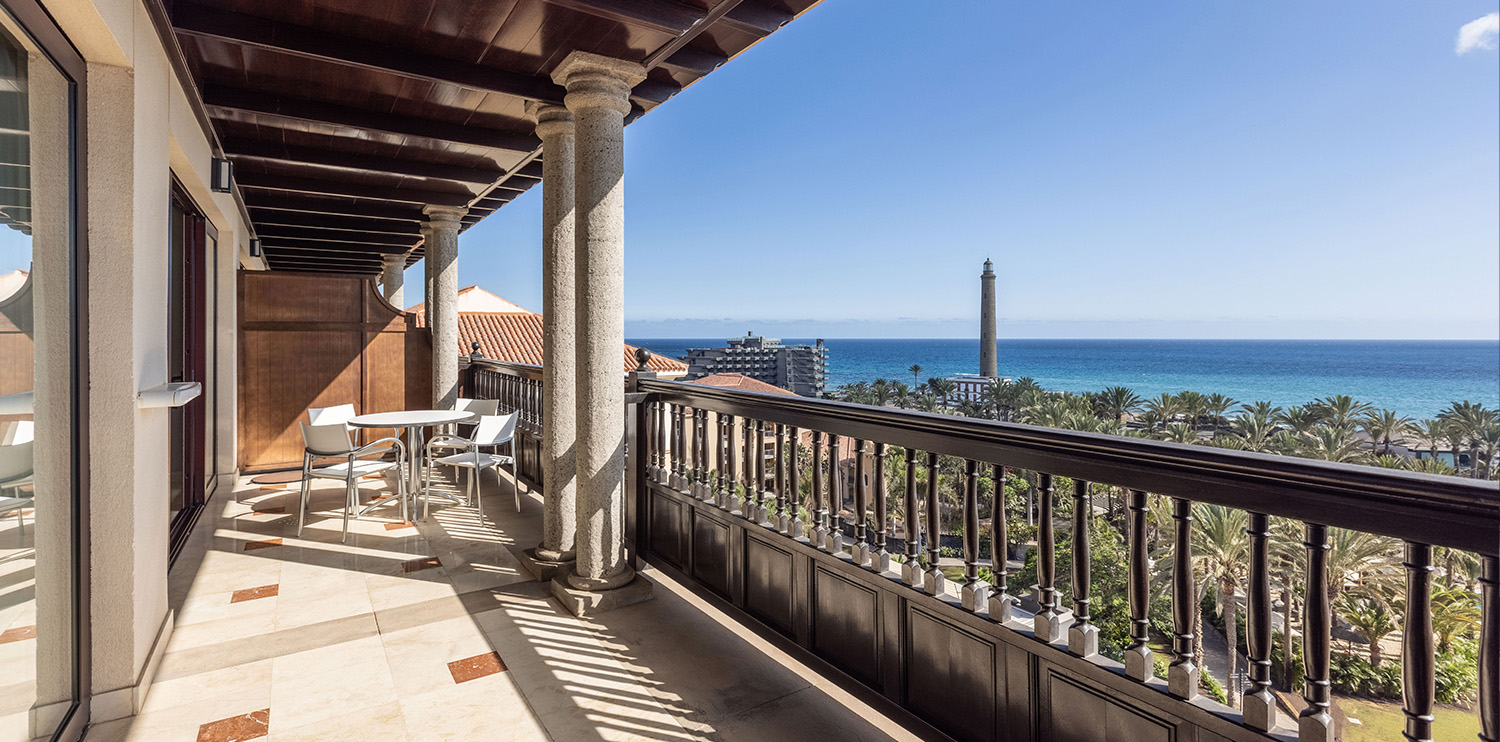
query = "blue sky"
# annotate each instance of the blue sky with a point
(1175, 169)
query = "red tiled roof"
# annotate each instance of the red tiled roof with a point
(741, 382)
(517, 337)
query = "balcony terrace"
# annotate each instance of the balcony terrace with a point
(432, 631)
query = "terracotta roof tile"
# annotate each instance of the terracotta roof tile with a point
(517, 337)
(741, 382)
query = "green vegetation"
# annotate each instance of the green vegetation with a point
(1381, 721)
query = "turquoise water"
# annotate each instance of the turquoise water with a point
(1416, 378)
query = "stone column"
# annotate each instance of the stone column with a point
(426, 232)
(559, 460)
(442, 304)
(392, 278)
(598, 94)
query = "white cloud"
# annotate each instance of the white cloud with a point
(1479, 33)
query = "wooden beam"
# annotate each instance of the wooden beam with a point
(309, 204)
(756, 19)
(694, 61)
(324, 187)
(252, 149)
(191, 19)
(370, 248)
(276, 231)
(224, 101)
(331, 258)
(265, 217)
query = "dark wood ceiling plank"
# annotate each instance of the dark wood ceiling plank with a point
(192, 19)
(695, 62)
(343, 248)
(756, 19)
(279, 231)
(335, 187)
(659, 15)
(265, 150)
(306, 204)
(327, 222)
(224, 102)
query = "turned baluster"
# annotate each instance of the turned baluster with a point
(835, 497)
(1258, 703)
(911, 569)
(975, 595)
(935, 583)
(653, 419)
(779, 518)
(746, 509)
(1489, 650)
(1418, 658)
(695, 454)
(1315, 722)
(760, 473)
(820, 507)
(1047, 625)
(679, 437)
(794, 483)
(1000, 599)
(861, 550)
(1182, 674)
(726, 447)
(1138, 657)
(1083, 636)
(880, 559)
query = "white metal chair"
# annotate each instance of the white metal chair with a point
(492, 432)
(480, 407)
(16, 472)
(331, 441)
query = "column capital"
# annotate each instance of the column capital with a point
(398, 259)
(444, 217)
(596, 81)
(551, 119)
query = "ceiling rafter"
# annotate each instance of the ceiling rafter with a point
(254, 149)
(334, 187)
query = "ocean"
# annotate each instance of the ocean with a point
(1417, 378)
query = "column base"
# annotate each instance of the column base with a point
(1138, 663)
(1314, 725)
(584, 603)
(1083, 641)
(911, 573)
(1260, 710)
(541, 567)
(975, 597)
(1182, 682)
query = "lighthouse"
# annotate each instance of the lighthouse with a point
(988, 364)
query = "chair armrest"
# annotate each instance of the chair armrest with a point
(448, 438)
(374, 445)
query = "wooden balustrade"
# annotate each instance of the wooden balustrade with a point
(914, 637)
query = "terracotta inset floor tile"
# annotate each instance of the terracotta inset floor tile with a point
(251, 593)
(19, 633)
(274, 487)
(417, 565)
(268, 543)
(478, 666)
(253, 725)
(394, 526)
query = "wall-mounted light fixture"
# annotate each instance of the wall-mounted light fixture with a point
(222, 176)
(255, 249)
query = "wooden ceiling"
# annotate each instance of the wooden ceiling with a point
(345, 117)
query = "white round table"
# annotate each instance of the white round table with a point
(413, 421)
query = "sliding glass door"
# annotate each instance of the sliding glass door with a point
(41, 541)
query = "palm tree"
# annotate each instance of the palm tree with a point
(1467, 423)
(882, 390)
(1263, 409)
(1194, 405)
(1118, 402)
(1256, 430)
(916, 371)
(1217, 404)
(1340, 409)
(1181, 433)
(1455, 613)
(1372, 618)
(1220, 548)
(901, 393)
(1333, 443)
(1365, 560)
(1300, 419)
(1383, 425)
(942, 388)
(1163, 407)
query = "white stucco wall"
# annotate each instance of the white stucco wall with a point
(141, 131)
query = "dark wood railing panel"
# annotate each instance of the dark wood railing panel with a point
(518, 388)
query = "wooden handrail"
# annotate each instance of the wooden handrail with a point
(1424, 508)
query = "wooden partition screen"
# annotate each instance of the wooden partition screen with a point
(313, 340)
